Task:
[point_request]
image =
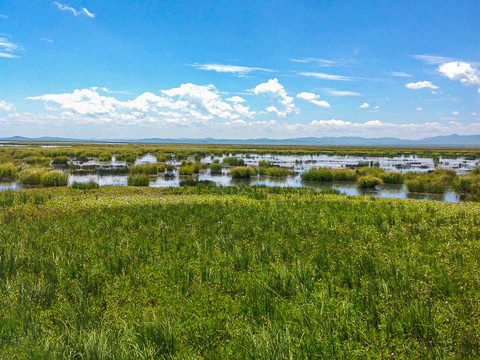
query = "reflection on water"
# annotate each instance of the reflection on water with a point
(102, 180)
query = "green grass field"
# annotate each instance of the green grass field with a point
(236, 273)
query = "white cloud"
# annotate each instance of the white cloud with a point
(319, 62)
(313, 98)
(46, 40)
(419, 109)
(75, 12)
(8, 49)
(205, 98)
(377, 107)
(399, 74)
(233, 69)
(186, 104)
(3, 16)
(6, 106)
(455, 113)
(278, 94)
(432, 59)
(236, 99)
(364, 105)
(459, 70)
(421, 85)
(343, 93)
(323, 76)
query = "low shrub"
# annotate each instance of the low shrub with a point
(426, 184)
(344, 175)
(31, 176)
(55, 178)
(85, 186)
(138, 180)
(392, 177)
(40, 176)
(233, 161)
(186, 170)
(60, 160)
(372, 171)
(147, 169)
(265, 164)
(216, 168)
(320, 174)
(37, 160)
(8, 171)
(243, 172)
(277, 172)
(369, 182)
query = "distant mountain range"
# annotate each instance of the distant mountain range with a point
(449, 140)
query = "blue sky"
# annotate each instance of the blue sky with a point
(239, 69)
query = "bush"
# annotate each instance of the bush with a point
(170, 167)
(148, 169)
(321, 174)
(105, 157)
(60, 160)
(265, 164)
(186, 170)
(369, 182)
(344, 175)
(243, 172)
(425, 184)
(233, 161)
(31, 176)
(85, 186)
(138, 180)
(40, 176)
(8, 171)
(37, 160)
(216, 168)
(277, 172)
(55, 178)
(392, 178)
(373, 171)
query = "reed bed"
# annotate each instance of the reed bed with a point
(236, 273)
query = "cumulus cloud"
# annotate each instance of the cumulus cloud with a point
(343, 93)
(313, 98)
(186, 104)
(9, 49)
(421, 85)
(75, 12)
(419, 109)
(232, 69)
(323, 76)
(236, 99)
(459, 70)
(364, 105)
(455, 113)
(6, 106)
(277, 93)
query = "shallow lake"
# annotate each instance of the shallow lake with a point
(299, 164)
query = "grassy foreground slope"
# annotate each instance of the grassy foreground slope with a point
(249, 273)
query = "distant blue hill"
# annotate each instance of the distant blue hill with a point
(448, 140)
